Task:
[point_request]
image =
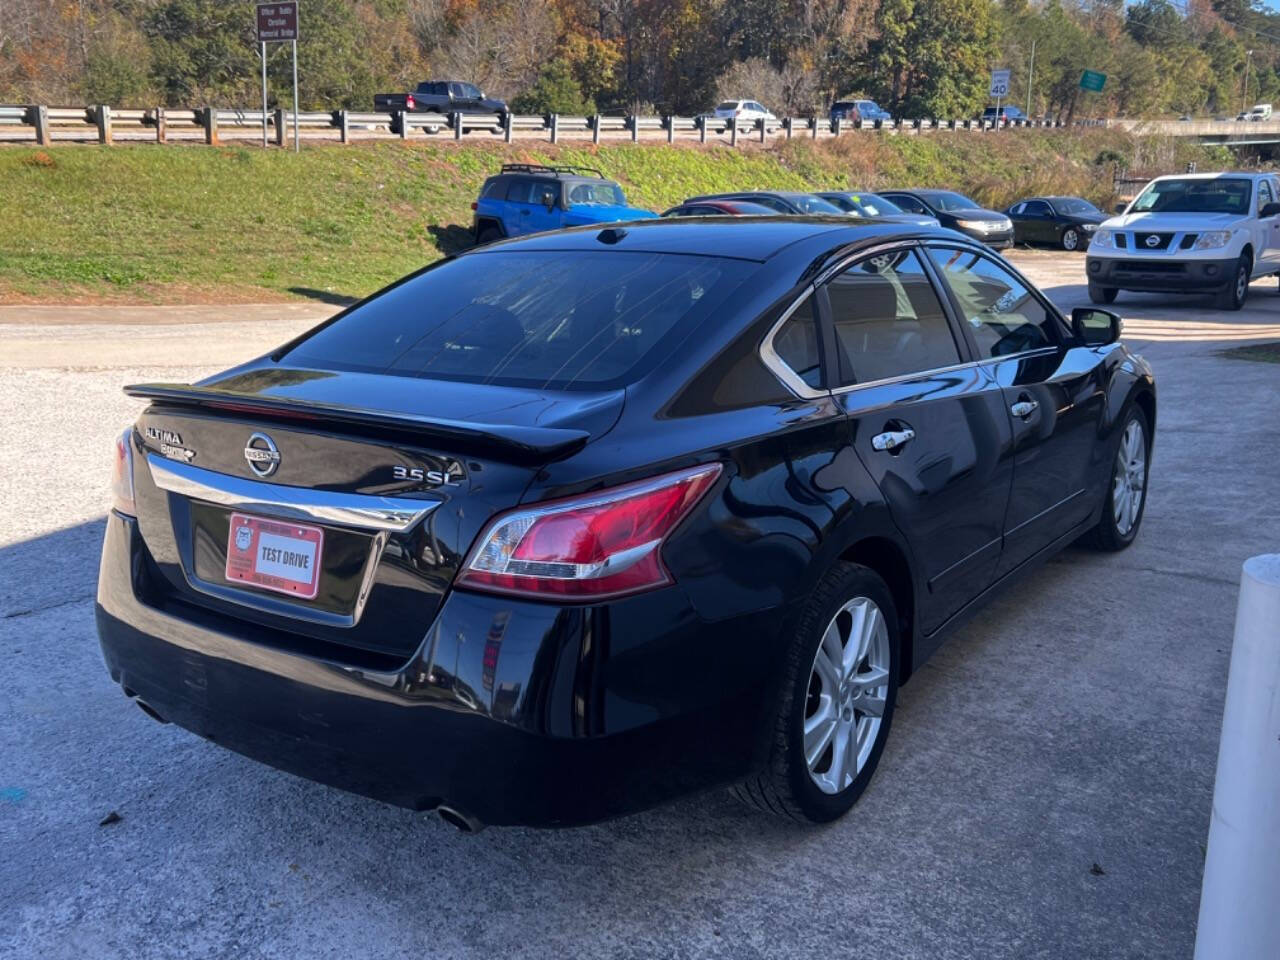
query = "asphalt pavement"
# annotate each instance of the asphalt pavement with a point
(1045, 792)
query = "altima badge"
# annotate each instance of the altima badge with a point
(261, 455)
(170, 443)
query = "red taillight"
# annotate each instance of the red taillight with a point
(589, 547)
(409, 102)
(474, 205)
(122, 476)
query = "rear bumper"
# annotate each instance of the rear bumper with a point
(510, 712)
(1159, 276)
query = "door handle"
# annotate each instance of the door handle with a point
(892, 440)
(1024, 408)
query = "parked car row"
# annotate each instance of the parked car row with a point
(528, 198)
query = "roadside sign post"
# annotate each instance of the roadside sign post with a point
(278, 22)
(264, 93)
(999, 89)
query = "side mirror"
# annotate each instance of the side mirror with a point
(549, 201)
(1120, 208)
(1270, 210)
(1094, 327)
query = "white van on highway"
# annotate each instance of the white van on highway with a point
(1192, 233)
(1260, 111)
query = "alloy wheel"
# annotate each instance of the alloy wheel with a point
(1242, 284)
(848, 687)
(1130, 479)
(1070, 240)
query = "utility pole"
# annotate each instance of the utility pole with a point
(1244, 94)
(1031, 72)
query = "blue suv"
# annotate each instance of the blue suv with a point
(529, 198)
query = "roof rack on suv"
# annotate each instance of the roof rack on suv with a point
(541, 168)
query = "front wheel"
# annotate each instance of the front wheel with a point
(1126, 500)
(839, 686)
(1099, 294)
(1234, 294)
(1070, 239)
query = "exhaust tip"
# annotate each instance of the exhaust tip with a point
(460, 820)
(149, 710)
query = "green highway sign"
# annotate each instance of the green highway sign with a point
(1093, 80)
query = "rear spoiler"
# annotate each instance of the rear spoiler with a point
(515, 444)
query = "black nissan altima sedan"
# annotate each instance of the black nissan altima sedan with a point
(563, 527)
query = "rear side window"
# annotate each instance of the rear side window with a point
(1003, 314)
(796, 344)
(552, 319)
(888, 321)
(910, 204)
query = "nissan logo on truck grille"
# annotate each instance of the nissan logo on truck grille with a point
(261, 455)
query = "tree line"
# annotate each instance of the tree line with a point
(917, 58)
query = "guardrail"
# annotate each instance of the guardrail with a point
(105, 124)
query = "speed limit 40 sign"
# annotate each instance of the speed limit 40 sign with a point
(1000, 83)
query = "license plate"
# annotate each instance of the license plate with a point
(275, 555)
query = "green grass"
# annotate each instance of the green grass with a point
(191, 223)
(1259, 352)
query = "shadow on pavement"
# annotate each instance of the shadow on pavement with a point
(324, 296)
(50, 570)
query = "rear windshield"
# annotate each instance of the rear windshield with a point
(729, 105)
(550, 319)
(1220, 195)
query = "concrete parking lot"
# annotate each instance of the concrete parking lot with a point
(1045, 792)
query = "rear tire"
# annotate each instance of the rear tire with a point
(488, 235)
(1236, 292)
(1099, 294)
(1130, 469)
(835, 704)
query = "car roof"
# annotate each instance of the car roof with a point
(745, 238)
(747, 194)
(1211, 176)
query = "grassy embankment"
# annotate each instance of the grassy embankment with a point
(190, 224)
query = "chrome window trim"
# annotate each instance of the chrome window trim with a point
(361, 511)
(776, 365)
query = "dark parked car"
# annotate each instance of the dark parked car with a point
(958, 212)
(561, 528)
(530, 198)
(721, 208)
(859, 203)
(441, 97)
(1006, 113)
(1066, 222)
(851, 110)
(791, 202)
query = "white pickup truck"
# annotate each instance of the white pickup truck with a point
(1194, 233)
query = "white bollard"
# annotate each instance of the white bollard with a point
(1240, 899)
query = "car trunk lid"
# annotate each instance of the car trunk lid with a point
(387, 494)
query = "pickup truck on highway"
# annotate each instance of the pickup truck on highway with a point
(440, 97)
(1192, 233)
